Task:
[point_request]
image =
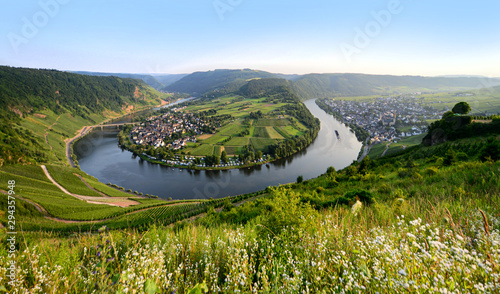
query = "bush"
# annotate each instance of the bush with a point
(363, 196)
(330, 170)
(431, 171)
(491, 150)
(440, 161)
(285, 209)
(384, 188)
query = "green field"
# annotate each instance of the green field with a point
(232, 150)
(260, 132)
(238, 141)
(201, 150)
(262, 143)
(378, 150)
(271, 128)
(481, 101)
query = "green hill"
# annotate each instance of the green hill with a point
(31, 100)
(201, 82)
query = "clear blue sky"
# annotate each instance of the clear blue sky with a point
(414, 37)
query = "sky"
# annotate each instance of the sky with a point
(398, 37)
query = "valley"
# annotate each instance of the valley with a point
(312, 192)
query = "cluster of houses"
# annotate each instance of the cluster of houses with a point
(387, 118)
(158, 131)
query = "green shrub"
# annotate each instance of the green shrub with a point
(363, 196)
(431, 171)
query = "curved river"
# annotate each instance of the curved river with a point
(100, 156)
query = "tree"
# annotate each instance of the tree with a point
(448, 114)
(223, 157)
(258, 155)
(461, 108)
(300, 179)
(330, 170)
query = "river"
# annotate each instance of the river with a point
(100, 156)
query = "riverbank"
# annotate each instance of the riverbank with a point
(148, 158)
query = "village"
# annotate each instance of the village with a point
(386, 118)
(173, 130)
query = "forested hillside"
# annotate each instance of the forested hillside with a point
(24, 92)
(157, 81)
(201, 82)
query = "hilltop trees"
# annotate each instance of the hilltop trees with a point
(461, 108)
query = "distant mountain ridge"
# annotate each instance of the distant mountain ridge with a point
(326, 85)
(201, 82)
(157, 81)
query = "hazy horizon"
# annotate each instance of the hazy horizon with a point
(389, 37)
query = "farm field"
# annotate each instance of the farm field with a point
(259, 133)
(481, 101)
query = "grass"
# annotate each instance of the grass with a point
(261, 143)
(291, 131)
(260, 132)
(202, 150)
(423, 234)
(378, 149)
(271, 122)
(273, 134)
(217, 150)
(232, 150)
(65, 177)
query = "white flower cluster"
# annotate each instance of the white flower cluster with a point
(407, 257)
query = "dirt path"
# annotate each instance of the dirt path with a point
(112, 201)
(47, 134)
(386, 148)
(50, 128)
(90, 187)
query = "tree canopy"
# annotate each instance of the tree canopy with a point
(461, 108)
